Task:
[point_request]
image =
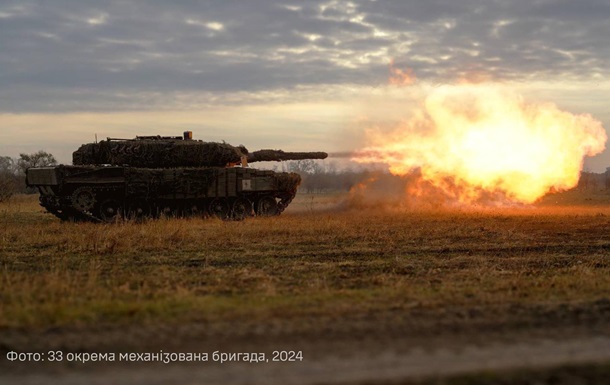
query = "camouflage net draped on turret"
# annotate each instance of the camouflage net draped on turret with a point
(159, 153)
(177, 153)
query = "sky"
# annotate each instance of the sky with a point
(298, 75)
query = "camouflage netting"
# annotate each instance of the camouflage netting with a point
(166, 153)
(158, 153)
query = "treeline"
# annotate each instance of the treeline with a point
(319, 178)
(591, 181)
(12, 172)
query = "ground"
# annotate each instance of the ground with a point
(386, 295)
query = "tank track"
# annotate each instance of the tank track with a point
(70, 208)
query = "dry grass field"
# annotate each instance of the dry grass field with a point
(322, 270)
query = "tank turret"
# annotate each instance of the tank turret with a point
(150, 176)
(166, 152)
(158, 152)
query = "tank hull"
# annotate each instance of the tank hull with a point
(108, 193)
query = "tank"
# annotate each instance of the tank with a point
(152, 176)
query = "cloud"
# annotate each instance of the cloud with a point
(94, 56)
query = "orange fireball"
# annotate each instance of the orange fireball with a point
(476, 140)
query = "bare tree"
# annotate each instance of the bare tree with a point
(37, 159)
(7, 164)
(12, 172)
(7, 178)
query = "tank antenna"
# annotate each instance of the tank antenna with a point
(95, 137)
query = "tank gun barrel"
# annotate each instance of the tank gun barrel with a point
(279, 155)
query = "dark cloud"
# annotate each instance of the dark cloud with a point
(91, 55)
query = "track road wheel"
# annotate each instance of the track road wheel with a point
(83, 199)
(169, 211)
(267, 207)
(139, 211)
(194, 210)
(110, 210)
(220, 208)
(242, 208)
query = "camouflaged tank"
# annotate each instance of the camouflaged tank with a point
(150, 176)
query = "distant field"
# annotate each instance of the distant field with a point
(314, 259)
